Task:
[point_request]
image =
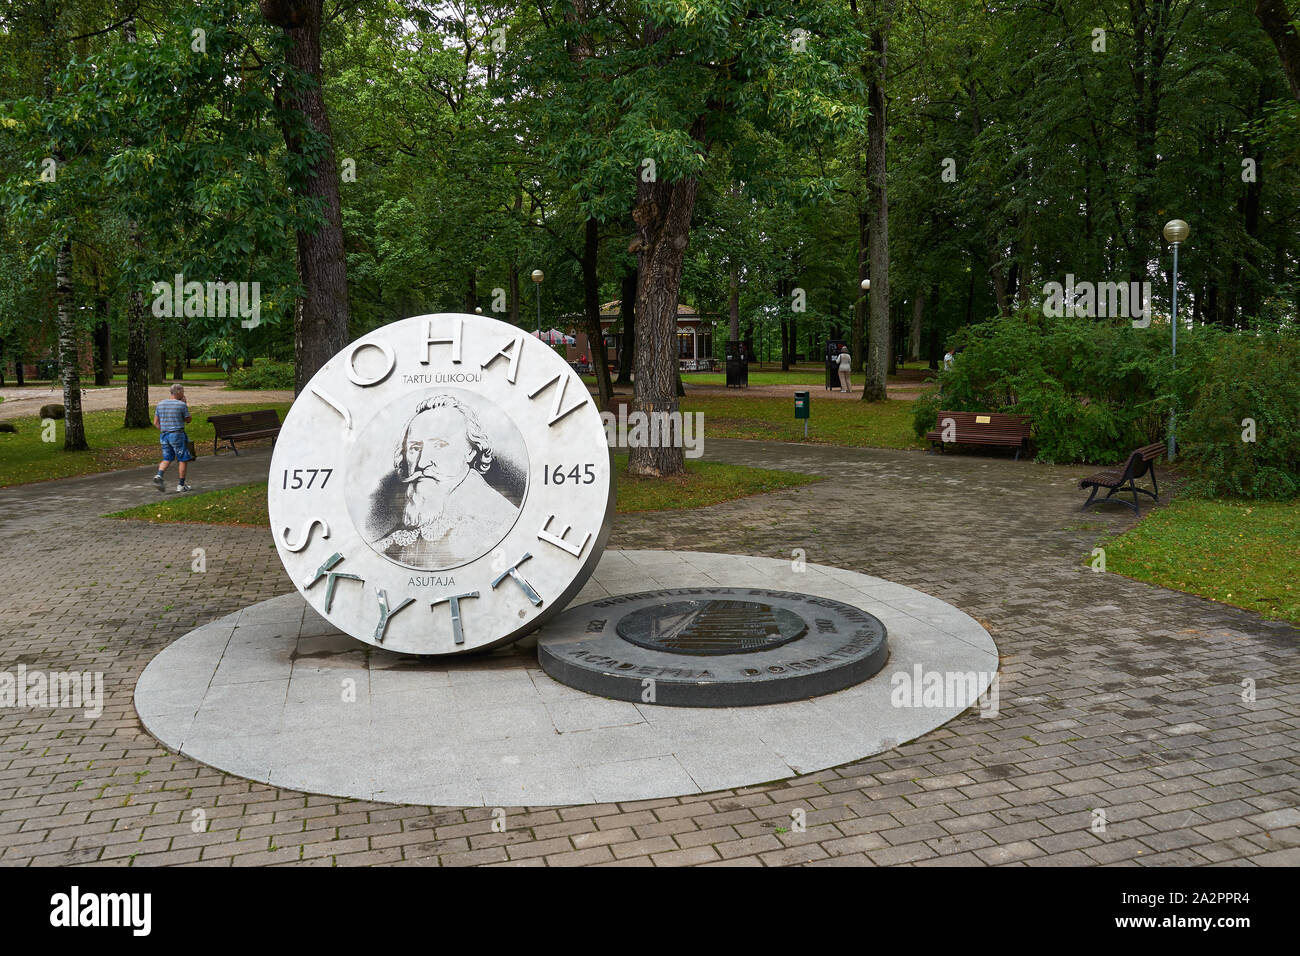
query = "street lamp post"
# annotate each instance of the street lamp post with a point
(1175, 232)
(538, 276)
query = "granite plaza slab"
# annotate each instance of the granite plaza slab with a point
(276, 694)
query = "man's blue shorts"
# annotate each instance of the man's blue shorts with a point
(175, 446)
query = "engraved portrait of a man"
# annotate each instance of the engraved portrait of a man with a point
(436, 509)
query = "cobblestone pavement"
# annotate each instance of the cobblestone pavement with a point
(1117, 698)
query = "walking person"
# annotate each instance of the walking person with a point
(170, 418)
(844, 363)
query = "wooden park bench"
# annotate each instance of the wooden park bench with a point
(1140, 462)
(981, 428)
(245, 426)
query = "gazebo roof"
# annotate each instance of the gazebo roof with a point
(611, 309)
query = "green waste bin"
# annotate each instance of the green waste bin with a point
(802, 409)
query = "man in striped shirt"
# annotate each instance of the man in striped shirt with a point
(170, 418)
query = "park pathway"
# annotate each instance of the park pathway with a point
(1115, 696)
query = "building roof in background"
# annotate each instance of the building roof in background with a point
(612, 308)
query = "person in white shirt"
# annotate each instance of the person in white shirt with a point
(844, 363)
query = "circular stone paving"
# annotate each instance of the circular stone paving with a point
(713, 647)
(276, 694)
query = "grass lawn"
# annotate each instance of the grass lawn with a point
(24, 457)
(119, 379)
(706, 483)
(191, 375)
(1242, 553)
(862, 424)
(801, 374)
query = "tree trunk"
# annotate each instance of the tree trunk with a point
(1248, 207)
(627, 338)
(180, 346)
(894, 339)
(74, 427)
(137, 324)
(793, 322)
(513, 295)
(992, 246)
(1150, 46)
(321, 316)
(157, 361)
(137, 359)
(784, 321)
(512, 283)
(103, 345)
(860, 305)
(874, 377)
(914, 334)
(591, 311)
(471, 291)
(1276, 20)
(663, 222)
(733, 305)
(970, 299)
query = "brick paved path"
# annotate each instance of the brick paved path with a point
(1115, 695)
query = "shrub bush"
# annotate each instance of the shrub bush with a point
(263, 375)
(1095, 390)
(1243, 378)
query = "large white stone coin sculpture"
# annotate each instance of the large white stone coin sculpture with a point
(442, 485)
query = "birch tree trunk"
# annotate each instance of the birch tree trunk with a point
(74, 427)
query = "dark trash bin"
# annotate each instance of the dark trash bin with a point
(833, 363)
(737, 365)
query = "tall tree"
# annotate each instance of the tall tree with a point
(321, 316)
(1281, 28)
(139, 324)
(875, 369)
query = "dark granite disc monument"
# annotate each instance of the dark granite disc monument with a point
(715, 647)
